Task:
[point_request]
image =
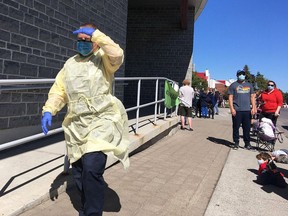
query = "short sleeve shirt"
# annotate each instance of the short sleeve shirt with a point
(241, 95)
(186, 95)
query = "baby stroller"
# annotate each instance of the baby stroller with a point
(267, 134)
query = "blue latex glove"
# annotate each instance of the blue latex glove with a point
(85, 30)
(46, 119)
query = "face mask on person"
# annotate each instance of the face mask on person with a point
(270, 87)
(260, 161)
(241, 77)
(84, 48)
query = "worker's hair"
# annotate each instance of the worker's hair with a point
(89, 25)
(186, 82)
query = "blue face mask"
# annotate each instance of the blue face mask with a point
(270, 88)
(84, 48)
(241, 77)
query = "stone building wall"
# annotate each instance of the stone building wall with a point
(157, 47)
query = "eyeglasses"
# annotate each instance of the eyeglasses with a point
(270, 85)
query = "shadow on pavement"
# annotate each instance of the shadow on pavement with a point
(111, 202)
(284, 127)
(220, 141)
(4, 190)
(255, 171)
(283, 192)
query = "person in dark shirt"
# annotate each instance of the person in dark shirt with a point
(241, 97)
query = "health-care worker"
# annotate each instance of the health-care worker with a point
(96, 122)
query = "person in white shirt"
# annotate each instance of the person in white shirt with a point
(186, 95)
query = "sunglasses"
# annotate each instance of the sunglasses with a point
(270, 85)
(241, 73)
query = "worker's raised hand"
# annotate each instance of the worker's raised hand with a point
(46, 119)
(85, 30)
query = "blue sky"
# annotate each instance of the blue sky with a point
(232, 33)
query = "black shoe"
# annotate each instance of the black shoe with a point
(236, 146)
(248, 147)
(190, 129)
(182, 128)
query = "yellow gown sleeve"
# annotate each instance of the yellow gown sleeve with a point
(113, 54)
(57, 98)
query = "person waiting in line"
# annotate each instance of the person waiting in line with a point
(217, 97)
(272, 101)
(241, 96)
(204, 101)
(211, 103)
(268, 172)
(196, 103)
(96, 122)
(199, 105)
(186, 95)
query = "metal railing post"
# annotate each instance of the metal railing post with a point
(138, 104)
(156, 98)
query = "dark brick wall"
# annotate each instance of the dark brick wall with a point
(36, 40)
(157, 47)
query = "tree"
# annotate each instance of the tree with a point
(249, 77)
(259, 81)
(198, 83)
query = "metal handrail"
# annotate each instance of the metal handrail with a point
(13, 82)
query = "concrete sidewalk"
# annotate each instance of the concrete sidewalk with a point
(237, 194)
(32, 173)
(175, 176)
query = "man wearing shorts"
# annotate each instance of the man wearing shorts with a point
(186, 95)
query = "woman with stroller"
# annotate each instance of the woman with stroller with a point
(272, 101)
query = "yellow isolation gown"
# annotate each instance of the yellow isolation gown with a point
(95, 119)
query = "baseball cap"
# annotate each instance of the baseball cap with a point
(239, 72)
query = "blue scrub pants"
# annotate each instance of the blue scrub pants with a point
(88, 175)
(244, 118)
